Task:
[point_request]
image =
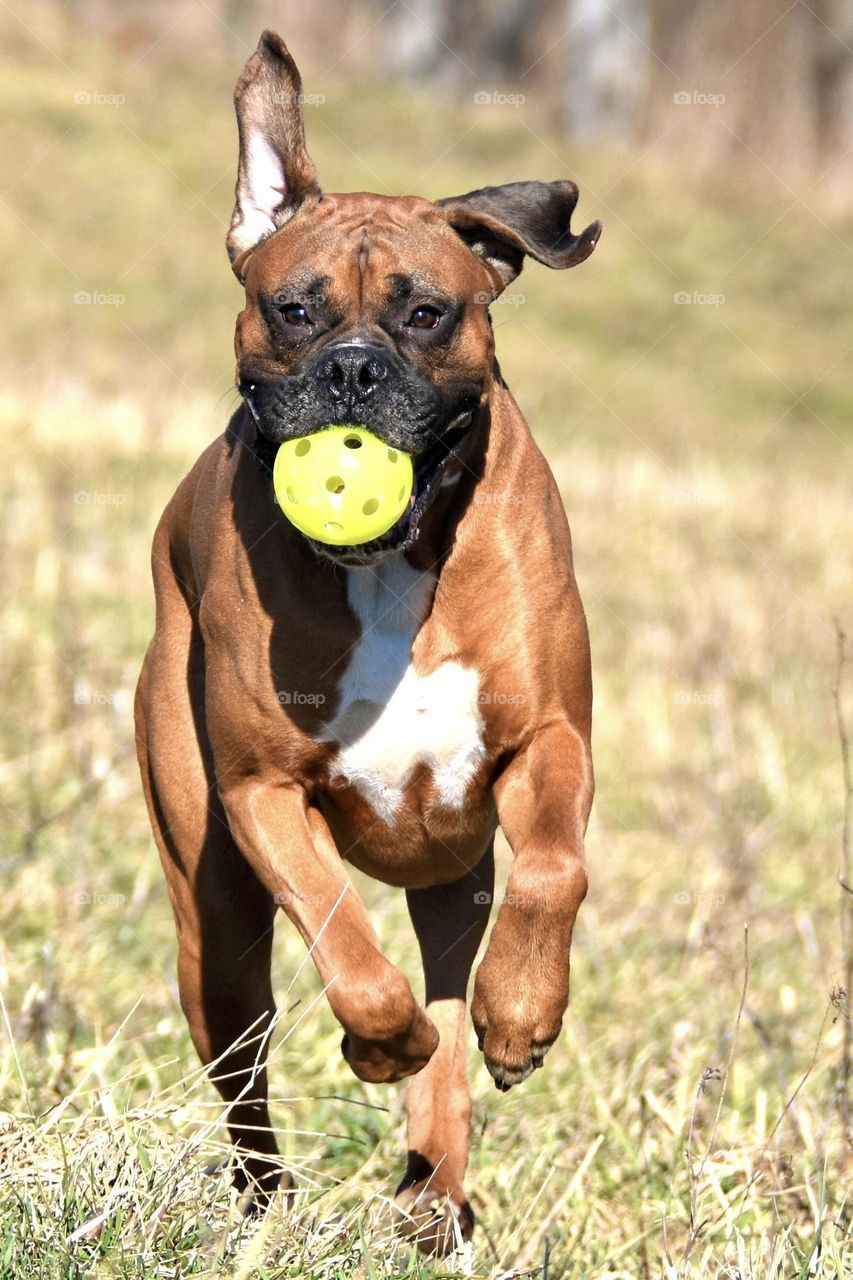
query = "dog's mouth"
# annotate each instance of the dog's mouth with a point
(430, 468)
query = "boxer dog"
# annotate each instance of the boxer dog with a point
(304, 706)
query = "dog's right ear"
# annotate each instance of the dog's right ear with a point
(275, 173)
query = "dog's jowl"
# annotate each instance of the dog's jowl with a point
(387, 703)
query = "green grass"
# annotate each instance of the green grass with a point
(704, 455)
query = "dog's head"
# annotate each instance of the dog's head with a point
(371, 309)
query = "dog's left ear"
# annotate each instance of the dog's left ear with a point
(275, 172)
(502, 224)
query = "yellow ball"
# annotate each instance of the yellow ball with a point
(342, 485)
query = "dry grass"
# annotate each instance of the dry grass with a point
(687, 1124)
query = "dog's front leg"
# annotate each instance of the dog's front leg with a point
(286, 840)
(522, 985)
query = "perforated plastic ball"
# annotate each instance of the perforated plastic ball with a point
(342, 485)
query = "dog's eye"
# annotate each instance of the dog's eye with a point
(424, 318)
(294, 313)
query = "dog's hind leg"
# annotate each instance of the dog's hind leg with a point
(449, 921)
(224, 917)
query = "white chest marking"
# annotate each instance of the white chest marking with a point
(390, 718)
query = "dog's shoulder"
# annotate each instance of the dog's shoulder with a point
(190, 513)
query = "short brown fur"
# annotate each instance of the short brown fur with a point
(246, 809)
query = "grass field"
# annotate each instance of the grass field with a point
(691, 386)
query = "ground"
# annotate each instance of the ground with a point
(691, 387)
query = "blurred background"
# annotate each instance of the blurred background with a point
(691, 386)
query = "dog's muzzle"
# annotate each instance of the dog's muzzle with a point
(356, 382)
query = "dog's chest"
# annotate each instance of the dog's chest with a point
(391, 719)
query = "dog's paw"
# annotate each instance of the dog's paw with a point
(437, 1218)
(257, 1181)
(385, 1061)
(511, 1058)
(513, 1033)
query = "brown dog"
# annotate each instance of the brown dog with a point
(302, 706)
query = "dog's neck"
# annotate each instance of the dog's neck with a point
(437, 528)
(263, 449)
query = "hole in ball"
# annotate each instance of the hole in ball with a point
(370, 506)
(392, 455)
(302, 448)
(291, 496)
(352, 442)
(332, 526)
(401, 495)
(335, 484)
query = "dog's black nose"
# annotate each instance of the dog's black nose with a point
(350, 373)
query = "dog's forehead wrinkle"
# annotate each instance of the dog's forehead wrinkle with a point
(305, 281)
(403, 285)
(362, 258)
(373, 244)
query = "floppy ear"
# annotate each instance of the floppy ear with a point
(275, 173)
(502, 224)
